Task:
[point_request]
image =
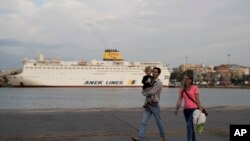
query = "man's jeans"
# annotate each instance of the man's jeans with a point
(188, 113)
(155, 110)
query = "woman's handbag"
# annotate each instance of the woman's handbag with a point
(203, 109)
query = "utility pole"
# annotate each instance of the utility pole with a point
(230, 76)
(185, 68)
(228, 59)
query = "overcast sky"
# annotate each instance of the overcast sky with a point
(204, 31)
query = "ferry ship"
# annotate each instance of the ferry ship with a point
(112, 71)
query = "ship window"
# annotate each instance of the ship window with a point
(44, 67)
(165, 77)
(48, 67)
(57, 68)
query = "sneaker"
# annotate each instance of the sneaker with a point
(200, 128)
(135, 139)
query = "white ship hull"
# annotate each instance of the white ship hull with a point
(55, 73)
(73, 78)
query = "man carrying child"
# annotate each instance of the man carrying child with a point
(152, 109)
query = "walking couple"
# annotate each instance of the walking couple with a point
(152, 87)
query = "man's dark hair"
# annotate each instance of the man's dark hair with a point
(158, 69)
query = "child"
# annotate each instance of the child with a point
(147, 83)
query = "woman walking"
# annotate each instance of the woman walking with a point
(187, 92)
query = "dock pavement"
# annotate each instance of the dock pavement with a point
(110, 124)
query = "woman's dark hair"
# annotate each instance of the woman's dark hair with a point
(190, 77)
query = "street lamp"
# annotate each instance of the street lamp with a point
(230, 77)
(185, 67)
(228, 59)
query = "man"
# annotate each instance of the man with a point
(152, 109)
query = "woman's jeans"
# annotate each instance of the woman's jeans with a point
(155, 110)
(188, 113)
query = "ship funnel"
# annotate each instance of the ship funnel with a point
(112, 55)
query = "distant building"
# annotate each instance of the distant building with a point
(224, 72)
(198, 68)
(232, 72)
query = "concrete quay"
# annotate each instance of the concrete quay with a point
(111, 124)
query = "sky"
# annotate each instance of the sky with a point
(174, 32)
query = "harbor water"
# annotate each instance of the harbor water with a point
(87, 98)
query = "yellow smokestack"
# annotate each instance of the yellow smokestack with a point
(112, 55)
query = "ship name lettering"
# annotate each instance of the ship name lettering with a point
(114, 82)
(93, 82)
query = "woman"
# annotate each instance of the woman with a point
(189, 91)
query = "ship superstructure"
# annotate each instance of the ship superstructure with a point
(111, 71)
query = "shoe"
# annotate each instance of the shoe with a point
(135, 139)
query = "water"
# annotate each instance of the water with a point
(50, 98)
